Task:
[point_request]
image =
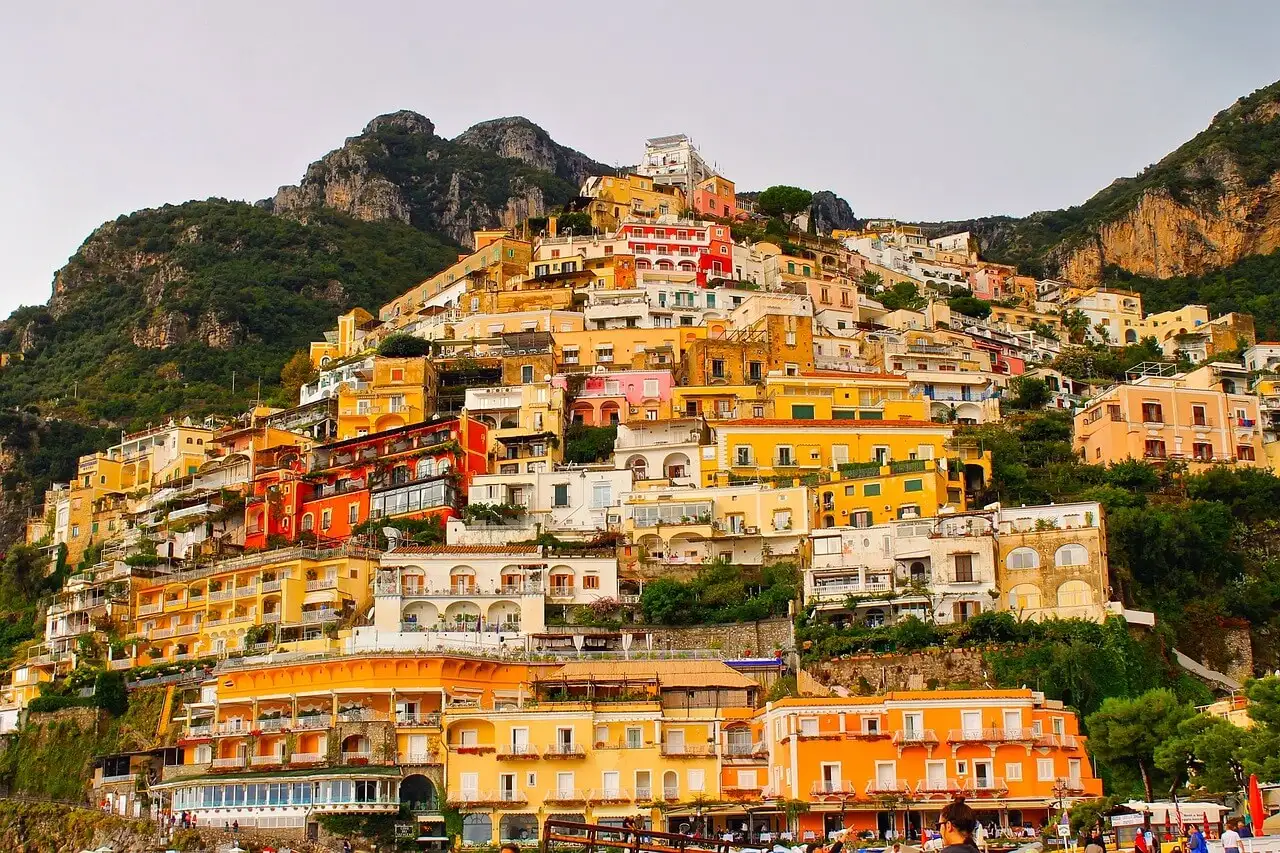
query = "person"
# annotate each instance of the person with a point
(1196, 842)
(235, 827)
(1246, 827)
(1094, 844)
(955, 825)
(1231, 838)
(346, 847)
(980, 836)
(509, 847)
(933, 841)
(1140, 843)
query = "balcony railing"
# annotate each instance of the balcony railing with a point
(991, 735)
(745, 751)
(989, 786)
(234, 762)
(222, 595)
(518, 750)
(321, 583)
(828, 786)
(161, 633)
(943, 786)
(312, 722)
(1057, 740)
(261, 760)
(688, 750)
(566, 795)
(360, 757)
(306, 758)
(199, 731)
(270, 586)
(565, 750)
(915, 736)
(272, 724)
(887, 786)
(312, 617)
(609, 795)
(150, 609)
(418, 719)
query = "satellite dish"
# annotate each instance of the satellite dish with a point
(393, 537)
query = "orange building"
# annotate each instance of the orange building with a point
(892, 761)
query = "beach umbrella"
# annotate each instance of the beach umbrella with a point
(1256, 811)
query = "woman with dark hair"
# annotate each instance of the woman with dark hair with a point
(956, 824)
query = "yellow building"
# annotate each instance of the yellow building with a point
(525, 421)
(1051, 561)
(604, 741)
(782, 446)
(349, 339)
(614, 198)
(863, 494)
(515, 322)
(497, 258)
(300, 593)
(401, 391)
(625, 348)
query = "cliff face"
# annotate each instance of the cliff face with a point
(830, 211)
(517, 138)
(398, 169)
(1162, 237)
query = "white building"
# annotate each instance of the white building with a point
(1262, 356)
(673, 450)
(673, 160)
(571, 502)
(354, 373)
(476, 597)
(660, 304)
(936, 569)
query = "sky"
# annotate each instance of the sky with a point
(916, 109)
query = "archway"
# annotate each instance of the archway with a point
(418, 793)
(477, 829)
(518, 827)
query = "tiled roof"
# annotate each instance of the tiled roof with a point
(668, 673)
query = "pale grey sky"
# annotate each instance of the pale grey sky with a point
(920, 110)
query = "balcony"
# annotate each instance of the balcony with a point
(306, 758)
(270, 586)
(915, 737)
(200, 731)
(942, 787)
(989, 787)
(266, 760)
(272, 724)
(829, 787)
(746, 752)
(887, 786)
(246, 591)
(186, 630)
(150, 609)
(315, 617)
(490, 399)
(431, 719)
(474, 798)
(566, 796)
(688, 750)
(271, 618)
(322, 583)
(993, 735)
(670, 794)
(609, 795)
(362, 715)
(565, 750)
(518, 752)
(841, 591)
(160, 633)
(363, 757)
(311, 722)
(1057, 741)
(222, 595)
(233, 763)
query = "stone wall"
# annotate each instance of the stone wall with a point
(915, 671)
(1239, 645)
(737, 639)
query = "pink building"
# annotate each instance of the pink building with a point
(619, 396)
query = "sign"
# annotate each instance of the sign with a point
(1128, 819)
(1064, 830)
(404, 830)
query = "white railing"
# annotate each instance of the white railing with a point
(273, 616)
(273, 724)
(199, 731)
(150, 609)
(312, 722)
(348, 757)
(223, 763)
(321, 583)
(306, 758)
(259, 760)
(431, 718)
(311, 617)
(246, 591)
(271, 586)
(418, 758)
(160, 633)
(222, 595)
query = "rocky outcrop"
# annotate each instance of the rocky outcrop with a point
(1162, 237)
(830, 211)
(520, 139)
(398, 169)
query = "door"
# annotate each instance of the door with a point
(644, 785)
(935, 775)
(519, 741)
(612, 783)
(1012, 724)
(830, 778)
(971, 724)
(675, 741)
(1073, 773)
(564, 785)
(468, 737)
(982, 778)
(564, 740)
(911, 727)
(418, 748)
(886, 775)
(470, 784)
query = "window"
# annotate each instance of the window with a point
(526, 374)
(560, 495)
(1153, 448)
(742, 454)
(913, 486)
(1044, 769)
(1245, 453)
(1071, 555)
(871, 725)
(964, 568)
(802, 413)
(782, 519)
(1022, 558)
(809, 726)
(326, 519)
(1152, 413)
(755, 370)
(697, 780)
(590, 581)
(717, 368)
(871, 490)
(651, 387)
(1198, 417)
(353, 513)
(784, 456)
(601, 495)
(635, 737)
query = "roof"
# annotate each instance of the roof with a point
(667, 673)
(842, 424)
(845, 374)
(466, 549)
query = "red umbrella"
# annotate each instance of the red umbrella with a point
(1206, 824)
(1256, 811)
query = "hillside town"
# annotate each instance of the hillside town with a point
(427, 588)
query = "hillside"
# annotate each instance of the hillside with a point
(1208, 204)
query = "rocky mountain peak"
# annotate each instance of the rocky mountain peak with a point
(406, 120)
(518, 138)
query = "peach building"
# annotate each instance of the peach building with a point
(1202, 417)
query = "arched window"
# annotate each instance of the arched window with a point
(1024, 596)
(1071, 555)
(426, 467)
(1023, 558)
(1075, 593)
(308, 522)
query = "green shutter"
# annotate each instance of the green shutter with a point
(870, 490)
(913, 486)
(843, 414)
(801, 413)
(870, 416)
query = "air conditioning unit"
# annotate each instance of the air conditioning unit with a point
(613, 518)
(751, 531)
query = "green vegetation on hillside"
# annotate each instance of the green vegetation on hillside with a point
(721, 592)
(273, 282)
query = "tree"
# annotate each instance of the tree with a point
(1044, 330)
(970, 306)
(1127, 732)
(1029, 392)
(401, 345)
(902, 295)
(667, 601)
(1076, 322)
(573, 223)
(784, 202)
(871, 278)
(1207, 751)
(297, 371)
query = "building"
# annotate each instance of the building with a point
(669, 244)
(496, 259)
(570, 501)
(674, 161)
(893, 761)
(1115, 316)
(1203, 417)
(1052, 561)
(1221, 338)
(862, 494)
(524, 422)
(610, 397)
(935, 569)
(672, 450)
(714, 196)
(614, 198)
(397, 392)
(672, 529)
(479, 596)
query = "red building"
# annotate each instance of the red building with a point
(688, 246)
(414, 471)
